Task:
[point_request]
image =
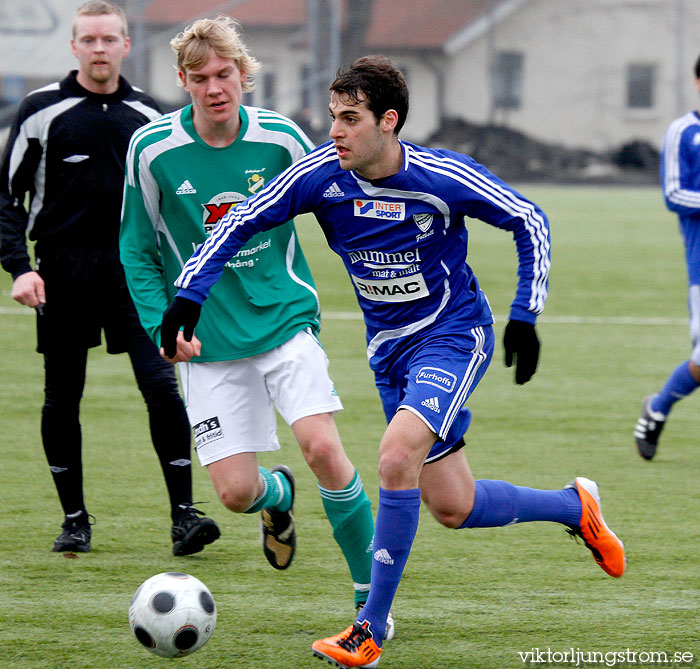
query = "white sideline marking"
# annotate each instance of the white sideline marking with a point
(565, 320)
(17, 311)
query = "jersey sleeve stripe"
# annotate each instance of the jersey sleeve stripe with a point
(673, 189)
(510, 203)
(251, 208)
(270, 120)
(141, 141)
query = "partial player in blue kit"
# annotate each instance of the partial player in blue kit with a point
(680, 179)
(394, 212)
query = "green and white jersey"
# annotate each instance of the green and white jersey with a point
(177, 188)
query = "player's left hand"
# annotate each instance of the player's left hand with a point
(521, 344)
(181, 312)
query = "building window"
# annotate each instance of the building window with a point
(640, 86)
(507, 80)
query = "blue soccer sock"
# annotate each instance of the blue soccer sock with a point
(276, 494)
(395, 529)
(498, 503)
(679, 385)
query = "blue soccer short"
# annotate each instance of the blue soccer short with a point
(433, 379)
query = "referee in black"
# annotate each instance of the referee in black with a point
(65, 157)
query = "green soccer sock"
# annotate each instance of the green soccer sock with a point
(350, 514)
(276, 494)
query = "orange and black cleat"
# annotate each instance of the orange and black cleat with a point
(608, 551)
(353, 647)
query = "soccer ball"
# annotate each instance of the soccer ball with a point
(172, 614)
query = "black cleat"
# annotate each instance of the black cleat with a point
(279, 538)
(648, 430)
(76, 534)
(191, 533)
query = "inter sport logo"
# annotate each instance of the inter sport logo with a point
(379, 209)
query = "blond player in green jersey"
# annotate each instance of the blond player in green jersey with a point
(256, 345)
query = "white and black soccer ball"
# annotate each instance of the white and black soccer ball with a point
(172, 614)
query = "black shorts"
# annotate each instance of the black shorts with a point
(86, 293)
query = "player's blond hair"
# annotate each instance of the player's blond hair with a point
(98, 8)
(220, 35)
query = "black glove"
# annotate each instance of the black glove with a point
(520, 342)
(181, 312)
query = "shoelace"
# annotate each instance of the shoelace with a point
(189, 509)
(577, 534)
(355, 639)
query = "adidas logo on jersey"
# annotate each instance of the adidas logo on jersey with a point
(432, 404)
(382, 555)
(333, 191)
(186, 188)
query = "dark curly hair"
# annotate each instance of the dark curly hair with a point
(374, 79)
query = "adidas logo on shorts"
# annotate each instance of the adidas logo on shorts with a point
(432, 404)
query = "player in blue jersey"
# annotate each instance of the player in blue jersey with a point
(394, 212)
(680, 179)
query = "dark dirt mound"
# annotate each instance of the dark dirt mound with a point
(516, 157)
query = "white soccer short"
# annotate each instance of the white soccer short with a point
(231, 404)
(694, 308)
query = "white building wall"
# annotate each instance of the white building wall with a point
(422, 82)
(575, 70)
(163, 76)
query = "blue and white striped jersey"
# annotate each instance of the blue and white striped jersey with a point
(680, 178)
(402, 239)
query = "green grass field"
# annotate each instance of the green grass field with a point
(614, 327)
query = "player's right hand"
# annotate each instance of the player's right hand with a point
(186, 350)
(181, 313)
(29, 289)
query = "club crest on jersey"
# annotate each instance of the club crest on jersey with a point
(437, 377)
(423, 221)
(379, 209)
(255, 182)
(218, 207)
